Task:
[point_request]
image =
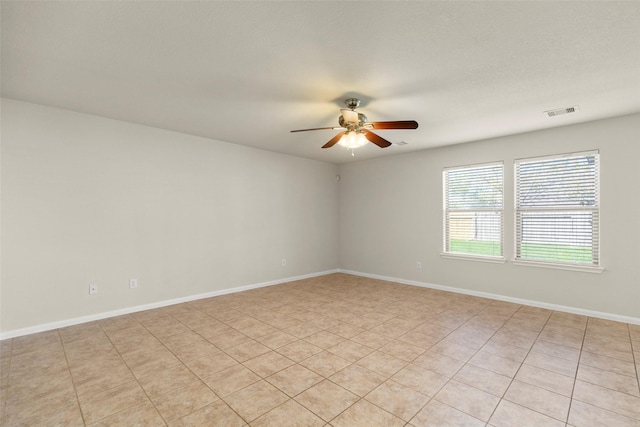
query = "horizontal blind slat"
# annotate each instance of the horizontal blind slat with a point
(547, 229)
(473, 201)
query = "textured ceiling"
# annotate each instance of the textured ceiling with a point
(248, 72)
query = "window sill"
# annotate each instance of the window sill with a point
(494, 260)
(582, 268)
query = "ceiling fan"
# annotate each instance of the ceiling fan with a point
(356, 131)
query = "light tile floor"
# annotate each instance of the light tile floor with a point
(336, 350)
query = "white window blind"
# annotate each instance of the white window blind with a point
(473, 210)
(557, 209)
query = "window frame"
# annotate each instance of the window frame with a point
(596, 208)
(446, 210)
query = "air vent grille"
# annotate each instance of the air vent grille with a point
(561, 111)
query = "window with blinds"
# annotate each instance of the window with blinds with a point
(473, 210)
(557, 209)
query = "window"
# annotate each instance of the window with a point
(473, 210)
(557, 209)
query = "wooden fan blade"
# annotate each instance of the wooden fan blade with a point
(305, 130)
(402, 124)
(376, 139)
(333, 141)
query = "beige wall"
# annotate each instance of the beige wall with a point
(86, 199)
(391, 217)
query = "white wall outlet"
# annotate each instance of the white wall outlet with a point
(419, 265)
(283, 262)
(93, 288)
(133, 283)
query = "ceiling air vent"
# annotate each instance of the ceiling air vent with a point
(560, 111)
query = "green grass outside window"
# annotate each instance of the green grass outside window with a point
(528, 251)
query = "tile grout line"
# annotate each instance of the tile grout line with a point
(131, 371)
(431, 346)
(465, 363)
(608, 371)
(520, 367)
(73, 383)
(221, 398)
(575, 380)
(190, 370)
(633, 355)
(360, 398)
(289, 398)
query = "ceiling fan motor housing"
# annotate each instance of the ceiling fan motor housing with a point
(362, 119)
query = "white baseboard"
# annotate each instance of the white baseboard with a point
(549, 306)
(98, 316)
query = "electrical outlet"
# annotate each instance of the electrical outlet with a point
(419, 265)
(283, 262)
(93, 288)
(133, 283)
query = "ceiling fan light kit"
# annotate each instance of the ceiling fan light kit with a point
(356, 129)
(353, 139)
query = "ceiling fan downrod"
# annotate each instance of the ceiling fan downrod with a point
(352, 103)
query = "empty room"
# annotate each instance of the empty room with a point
(320, 213)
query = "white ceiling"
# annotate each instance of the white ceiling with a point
(249, 72)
